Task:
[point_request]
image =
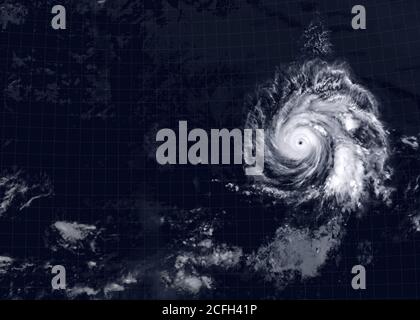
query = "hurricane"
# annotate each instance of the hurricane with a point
(324, 140)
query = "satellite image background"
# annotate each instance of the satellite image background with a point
(79, 182)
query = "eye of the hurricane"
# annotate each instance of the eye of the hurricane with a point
(297, 143)
(300, 142)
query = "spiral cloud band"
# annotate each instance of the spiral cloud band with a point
(323, 138)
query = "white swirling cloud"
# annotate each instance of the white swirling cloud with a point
(323, 137)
